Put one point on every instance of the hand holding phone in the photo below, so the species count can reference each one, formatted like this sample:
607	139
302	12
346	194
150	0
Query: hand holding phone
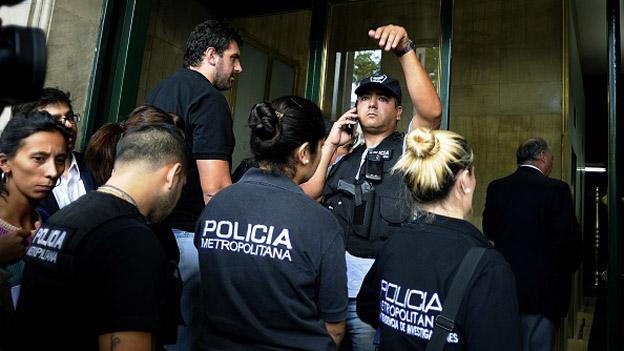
350	128
343	129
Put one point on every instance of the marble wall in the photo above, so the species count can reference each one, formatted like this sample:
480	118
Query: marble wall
507	82
72	42
170	24
288	36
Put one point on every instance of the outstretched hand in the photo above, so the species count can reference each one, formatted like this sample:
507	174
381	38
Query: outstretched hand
390	37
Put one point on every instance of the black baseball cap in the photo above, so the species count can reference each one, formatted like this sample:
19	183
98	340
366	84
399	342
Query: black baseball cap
382	82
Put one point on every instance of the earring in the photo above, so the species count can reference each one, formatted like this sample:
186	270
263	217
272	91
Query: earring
305	162
3	178
467	190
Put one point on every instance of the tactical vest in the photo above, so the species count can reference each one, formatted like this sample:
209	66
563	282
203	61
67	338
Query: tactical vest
371	208
56	244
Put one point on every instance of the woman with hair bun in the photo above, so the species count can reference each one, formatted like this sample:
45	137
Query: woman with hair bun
271	259
407	287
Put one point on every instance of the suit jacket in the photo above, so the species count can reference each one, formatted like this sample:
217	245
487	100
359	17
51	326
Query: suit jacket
531	220
49	205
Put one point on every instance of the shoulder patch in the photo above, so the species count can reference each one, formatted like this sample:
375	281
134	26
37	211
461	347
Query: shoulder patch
48	244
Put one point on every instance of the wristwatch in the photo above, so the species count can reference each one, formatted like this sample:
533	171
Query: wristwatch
410	46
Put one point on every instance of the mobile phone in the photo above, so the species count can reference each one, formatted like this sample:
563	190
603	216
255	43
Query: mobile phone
350	128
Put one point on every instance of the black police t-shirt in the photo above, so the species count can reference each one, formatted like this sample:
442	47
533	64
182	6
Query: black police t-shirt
208	131
272	268
407	285
119	285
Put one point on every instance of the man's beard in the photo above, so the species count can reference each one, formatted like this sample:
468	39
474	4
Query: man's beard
222	81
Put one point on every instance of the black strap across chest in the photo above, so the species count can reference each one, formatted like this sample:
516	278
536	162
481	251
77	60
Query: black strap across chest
445	321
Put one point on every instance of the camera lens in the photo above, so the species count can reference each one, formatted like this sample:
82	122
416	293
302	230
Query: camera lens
23	59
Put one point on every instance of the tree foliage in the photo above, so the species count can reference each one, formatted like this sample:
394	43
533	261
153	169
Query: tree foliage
364	65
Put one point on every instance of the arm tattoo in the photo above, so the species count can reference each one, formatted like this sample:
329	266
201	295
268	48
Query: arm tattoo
114	341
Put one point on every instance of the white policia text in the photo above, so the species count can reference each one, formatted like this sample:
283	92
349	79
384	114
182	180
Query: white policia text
256	240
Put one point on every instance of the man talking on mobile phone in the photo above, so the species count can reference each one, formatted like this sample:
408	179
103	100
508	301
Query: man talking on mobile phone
361	190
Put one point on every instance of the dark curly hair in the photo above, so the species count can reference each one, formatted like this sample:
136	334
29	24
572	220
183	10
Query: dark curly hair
207	34
48	96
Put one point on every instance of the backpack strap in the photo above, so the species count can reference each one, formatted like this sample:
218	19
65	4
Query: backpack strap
445	321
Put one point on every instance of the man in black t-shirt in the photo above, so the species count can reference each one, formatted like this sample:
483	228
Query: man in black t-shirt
211	62
96	276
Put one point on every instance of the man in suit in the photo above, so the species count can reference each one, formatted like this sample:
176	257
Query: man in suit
76	179
530	218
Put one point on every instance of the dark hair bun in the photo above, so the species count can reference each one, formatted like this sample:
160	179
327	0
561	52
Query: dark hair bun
263	122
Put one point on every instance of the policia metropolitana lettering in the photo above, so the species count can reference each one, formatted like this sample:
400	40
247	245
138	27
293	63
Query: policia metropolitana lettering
362	191
97	276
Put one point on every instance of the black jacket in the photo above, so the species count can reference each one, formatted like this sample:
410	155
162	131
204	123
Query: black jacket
531	220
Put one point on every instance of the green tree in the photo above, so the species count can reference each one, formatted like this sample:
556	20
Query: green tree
364	65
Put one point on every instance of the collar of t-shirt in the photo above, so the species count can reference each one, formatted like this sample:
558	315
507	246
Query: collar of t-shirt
256	175
454	224
531	166
195	74
71	186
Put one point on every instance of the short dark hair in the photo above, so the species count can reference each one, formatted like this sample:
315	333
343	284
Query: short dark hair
531	149
279	127
21	126
157	144
48	96
210	33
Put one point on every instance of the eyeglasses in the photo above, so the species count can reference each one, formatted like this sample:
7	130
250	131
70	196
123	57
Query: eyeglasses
70	117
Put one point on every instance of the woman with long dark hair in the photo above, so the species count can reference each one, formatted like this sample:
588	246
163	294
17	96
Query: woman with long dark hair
271	258
33	149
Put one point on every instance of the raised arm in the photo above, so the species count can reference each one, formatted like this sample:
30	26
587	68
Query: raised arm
422	93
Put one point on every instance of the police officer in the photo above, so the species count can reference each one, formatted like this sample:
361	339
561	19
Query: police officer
361	189
408	286
271	259
96	275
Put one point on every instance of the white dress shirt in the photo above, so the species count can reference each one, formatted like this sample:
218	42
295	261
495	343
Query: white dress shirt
531	166
71	187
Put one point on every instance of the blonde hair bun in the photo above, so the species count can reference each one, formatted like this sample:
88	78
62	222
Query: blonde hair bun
423	143
431	161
